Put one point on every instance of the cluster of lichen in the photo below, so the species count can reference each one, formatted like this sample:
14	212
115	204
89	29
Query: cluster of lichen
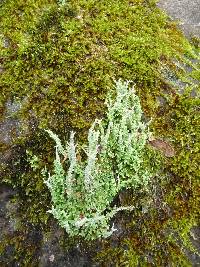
58	61
83	190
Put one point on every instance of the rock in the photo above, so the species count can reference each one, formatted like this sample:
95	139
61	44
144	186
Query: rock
186	11
52	253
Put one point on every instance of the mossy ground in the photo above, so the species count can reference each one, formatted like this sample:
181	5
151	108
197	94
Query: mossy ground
59	61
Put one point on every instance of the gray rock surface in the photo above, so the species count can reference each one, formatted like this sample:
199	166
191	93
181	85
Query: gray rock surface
187	12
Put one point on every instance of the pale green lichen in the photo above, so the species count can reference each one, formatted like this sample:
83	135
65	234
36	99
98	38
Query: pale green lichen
82	195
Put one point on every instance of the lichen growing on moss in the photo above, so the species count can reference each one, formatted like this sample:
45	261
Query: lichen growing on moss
163	234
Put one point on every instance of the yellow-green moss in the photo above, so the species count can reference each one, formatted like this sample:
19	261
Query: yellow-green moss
64	61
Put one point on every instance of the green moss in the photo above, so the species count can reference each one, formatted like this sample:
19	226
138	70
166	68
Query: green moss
68	54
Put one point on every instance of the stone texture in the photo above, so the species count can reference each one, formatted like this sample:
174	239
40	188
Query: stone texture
185	11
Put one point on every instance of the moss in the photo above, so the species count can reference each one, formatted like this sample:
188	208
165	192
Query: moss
70	53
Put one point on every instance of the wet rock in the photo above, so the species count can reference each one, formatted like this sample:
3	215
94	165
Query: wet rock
12	130
10	126
195	239
9	220
8	211
54	254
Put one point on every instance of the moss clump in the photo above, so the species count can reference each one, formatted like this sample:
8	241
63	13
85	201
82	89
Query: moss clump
60	64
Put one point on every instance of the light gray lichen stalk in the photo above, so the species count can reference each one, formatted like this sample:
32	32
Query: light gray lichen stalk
82	191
